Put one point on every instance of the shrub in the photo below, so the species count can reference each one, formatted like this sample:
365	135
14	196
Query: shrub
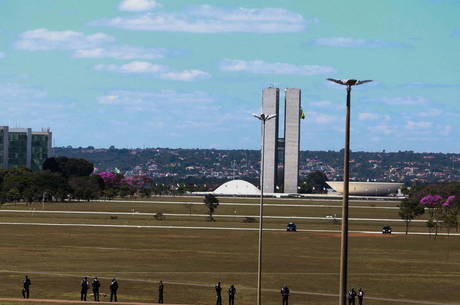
159	216
249	220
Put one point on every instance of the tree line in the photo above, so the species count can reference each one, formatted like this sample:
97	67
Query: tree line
64	179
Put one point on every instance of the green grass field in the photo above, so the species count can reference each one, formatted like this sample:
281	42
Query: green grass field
190	261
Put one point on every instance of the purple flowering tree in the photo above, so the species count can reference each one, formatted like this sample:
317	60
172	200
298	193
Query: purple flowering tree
112	183
434	205
450	209
439	210
137	182
110	179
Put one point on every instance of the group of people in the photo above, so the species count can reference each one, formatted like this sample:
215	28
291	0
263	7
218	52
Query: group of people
231	294
352	294
95	286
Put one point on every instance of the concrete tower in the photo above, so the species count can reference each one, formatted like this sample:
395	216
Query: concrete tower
270	105
275	145
291	139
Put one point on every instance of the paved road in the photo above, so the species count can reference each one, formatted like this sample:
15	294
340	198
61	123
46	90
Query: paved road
256	204
201	228
201	215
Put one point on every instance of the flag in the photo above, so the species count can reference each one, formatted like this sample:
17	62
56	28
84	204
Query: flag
302	114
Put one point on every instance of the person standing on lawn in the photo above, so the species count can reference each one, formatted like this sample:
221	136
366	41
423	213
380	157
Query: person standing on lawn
360	296
160	292
96	285
218	294
113	290
231	295
285	294
25	290
84	289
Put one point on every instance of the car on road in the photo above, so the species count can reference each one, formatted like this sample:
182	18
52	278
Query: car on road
386	230
291	227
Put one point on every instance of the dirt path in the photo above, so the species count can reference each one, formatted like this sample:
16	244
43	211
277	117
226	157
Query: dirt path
70	301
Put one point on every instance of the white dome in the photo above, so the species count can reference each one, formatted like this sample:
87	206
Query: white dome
367	188
237	187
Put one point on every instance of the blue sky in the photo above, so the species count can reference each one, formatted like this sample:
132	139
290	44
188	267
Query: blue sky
145	73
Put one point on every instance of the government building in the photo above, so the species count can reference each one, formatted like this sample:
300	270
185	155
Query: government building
22	147
281	154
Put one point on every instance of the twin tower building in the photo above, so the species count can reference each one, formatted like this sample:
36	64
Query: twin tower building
281	154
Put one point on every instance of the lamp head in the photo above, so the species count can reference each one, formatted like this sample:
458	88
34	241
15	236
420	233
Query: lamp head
264	117
349	82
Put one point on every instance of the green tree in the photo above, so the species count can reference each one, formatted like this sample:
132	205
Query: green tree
51	186
408	210
315	182
449	221
85	188
211	202
69	167
18	184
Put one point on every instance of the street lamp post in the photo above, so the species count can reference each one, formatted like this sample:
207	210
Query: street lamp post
346	172
263	118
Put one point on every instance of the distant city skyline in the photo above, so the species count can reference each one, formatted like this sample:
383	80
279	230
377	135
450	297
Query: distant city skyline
189	74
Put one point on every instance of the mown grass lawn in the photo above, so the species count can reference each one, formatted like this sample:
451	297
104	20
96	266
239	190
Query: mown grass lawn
192	261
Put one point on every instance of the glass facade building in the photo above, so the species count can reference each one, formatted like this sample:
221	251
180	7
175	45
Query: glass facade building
22	147
39	150
3	139
17	149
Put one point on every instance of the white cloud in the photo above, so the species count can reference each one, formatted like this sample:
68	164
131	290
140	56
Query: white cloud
43	39
137	5
321	118
16	97
151	98
348	42
445	130
382	129
142	67
120	52
364	116
370	116
166	106
430	113
423	85
262	67
186	75
321	104
97	45
404	100
17	91
411	125
157	71
212	19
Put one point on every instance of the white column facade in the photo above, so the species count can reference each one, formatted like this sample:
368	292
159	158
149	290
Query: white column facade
270	105
291	140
